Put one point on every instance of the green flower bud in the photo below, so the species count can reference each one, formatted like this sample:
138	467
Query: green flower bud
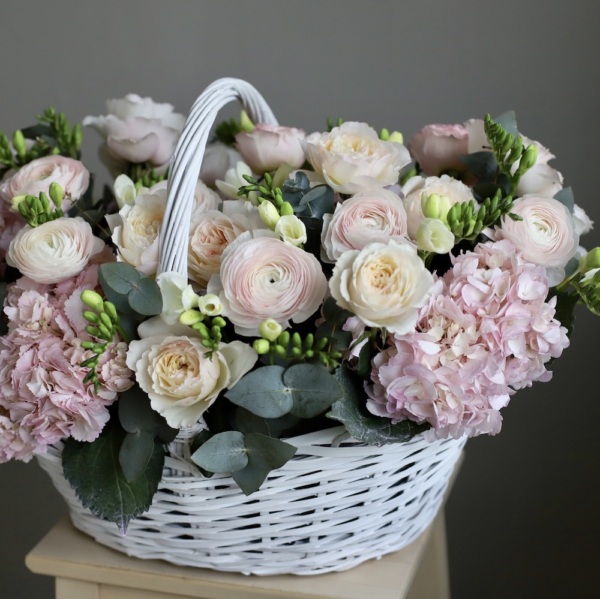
110	309
280	351
309	340
19	204
435	206
286	209
261	346
396	137
18	143
77	135
246	123
190	317
106	321
528	159
201	328
590	260
219	322
93	300
384	134
268	213
296	340
269	329
57	194
284	338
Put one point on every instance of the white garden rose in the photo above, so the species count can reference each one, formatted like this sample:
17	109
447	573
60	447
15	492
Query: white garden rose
135	229
54	251
37	176
383	284
454	192
370	216
183	378
352	157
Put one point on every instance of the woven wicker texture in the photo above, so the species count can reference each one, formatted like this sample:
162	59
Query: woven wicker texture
328	509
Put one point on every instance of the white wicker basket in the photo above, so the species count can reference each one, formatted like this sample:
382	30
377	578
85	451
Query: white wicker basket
329	508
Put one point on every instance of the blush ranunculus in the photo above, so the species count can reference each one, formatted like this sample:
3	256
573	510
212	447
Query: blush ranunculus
375	215
39	174
385	285
351	158
546	235
267	147
183	378
437	148
54	251
263	277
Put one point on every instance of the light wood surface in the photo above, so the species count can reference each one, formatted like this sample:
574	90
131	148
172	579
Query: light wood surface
86	570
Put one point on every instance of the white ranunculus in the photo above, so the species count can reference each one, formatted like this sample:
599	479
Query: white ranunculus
135	229
455	191
352	157
182	378
54	251
367	217
383	284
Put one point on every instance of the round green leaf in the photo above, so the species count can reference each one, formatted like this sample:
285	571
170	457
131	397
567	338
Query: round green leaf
222	453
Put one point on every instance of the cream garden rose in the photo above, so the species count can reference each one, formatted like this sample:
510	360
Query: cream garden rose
54	251
182	378
351	157
263	277
366	217
383	284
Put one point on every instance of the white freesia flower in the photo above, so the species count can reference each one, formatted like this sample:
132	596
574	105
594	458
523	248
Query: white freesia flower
434	236
177	295
210	305
233	180
291	230
383	284
182	378
125	191
54	251
352	157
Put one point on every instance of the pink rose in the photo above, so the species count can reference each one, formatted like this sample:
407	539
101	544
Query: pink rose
39	174
351	158
267	147
138	130
263	277
369	216
546	235
438	147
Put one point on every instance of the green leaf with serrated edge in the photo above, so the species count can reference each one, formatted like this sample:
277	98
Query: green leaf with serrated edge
360	424
135	412
222	453
313	389
566	198
119	277
94	472
262	392
145	297
135	454
264	454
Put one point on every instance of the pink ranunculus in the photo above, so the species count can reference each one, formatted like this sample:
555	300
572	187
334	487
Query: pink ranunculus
267	147
546	235
437	148
352	158
263	277
138	130
375	215
39	174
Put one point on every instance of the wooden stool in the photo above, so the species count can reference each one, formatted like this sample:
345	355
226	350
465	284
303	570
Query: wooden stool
85	569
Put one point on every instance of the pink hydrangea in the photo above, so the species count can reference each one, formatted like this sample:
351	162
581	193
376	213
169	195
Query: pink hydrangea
486	331
43	396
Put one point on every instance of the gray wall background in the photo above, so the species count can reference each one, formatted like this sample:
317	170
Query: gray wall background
522	519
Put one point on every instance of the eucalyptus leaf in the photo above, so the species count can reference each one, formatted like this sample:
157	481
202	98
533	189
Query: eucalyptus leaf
360	424
94	472
566	198
482	164
264	454
313	389
135	412
222	453
262	392
145	297
318	201
135	454
119	276
245	421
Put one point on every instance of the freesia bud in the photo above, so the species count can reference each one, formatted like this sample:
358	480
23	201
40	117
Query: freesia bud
93	300
268	213
18	143
435	206
210	304
384	134
261	346
434	236
57	194
245	122
269	329
590	260
396	137
528	158
190	317
16	201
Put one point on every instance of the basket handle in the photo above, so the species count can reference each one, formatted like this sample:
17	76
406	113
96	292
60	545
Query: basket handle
187	159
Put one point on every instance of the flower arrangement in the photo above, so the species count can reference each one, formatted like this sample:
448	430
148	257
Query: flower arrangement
334	278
